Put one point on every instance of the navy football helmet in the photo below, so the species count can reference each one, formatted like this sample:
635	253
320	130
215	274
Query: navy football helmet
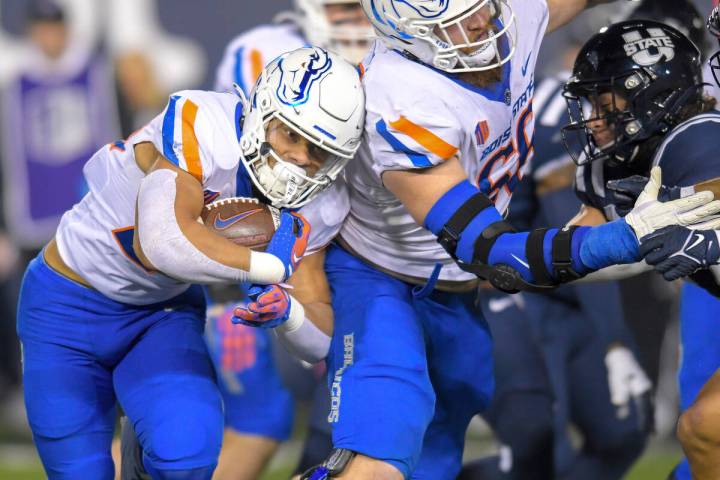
642	78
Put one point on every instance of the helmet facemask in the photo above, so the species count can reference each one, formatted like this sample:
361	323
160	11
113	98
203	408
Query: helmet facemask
281	181
626	108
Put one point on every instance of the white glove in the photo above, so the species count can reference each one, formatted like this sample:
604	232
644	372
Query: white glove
626	379
649	214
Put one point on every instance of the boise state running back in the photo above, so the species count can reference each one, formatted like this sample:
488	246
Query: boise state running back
100	324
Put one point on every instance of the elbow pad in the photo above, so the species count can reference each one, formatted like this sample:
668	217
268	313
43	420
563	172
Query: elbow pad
164	243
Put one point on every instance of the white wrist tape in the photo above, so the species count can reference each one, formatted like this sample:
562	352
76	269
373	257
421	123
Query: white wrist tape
163	242
301	337
265	268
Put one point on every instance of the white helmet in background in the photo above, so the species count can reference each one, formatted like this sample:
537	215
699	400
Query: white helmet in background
350	41
420	28
316	94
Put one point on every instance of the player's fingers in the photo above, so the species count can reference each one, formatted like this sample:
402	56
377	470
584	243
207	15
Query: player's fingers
675	267
711	223
254	291
244	314
651	190
269	308
271	295
693	202
695	207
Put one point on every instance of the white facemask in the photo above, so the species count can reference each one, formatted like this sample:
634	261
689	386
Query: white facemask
282	180
482	56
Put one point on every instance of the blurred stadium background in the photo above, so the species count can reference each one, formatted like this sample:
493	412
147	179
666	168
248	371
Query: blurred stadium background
148	48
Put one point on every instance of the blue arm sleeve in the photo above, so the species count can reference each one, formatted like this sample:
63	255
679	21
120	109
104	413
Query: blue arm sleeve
592	248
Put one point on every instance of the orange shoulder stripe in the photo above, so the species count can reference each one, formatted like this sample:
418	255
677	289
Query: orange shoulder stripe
256	63
424	137
191	151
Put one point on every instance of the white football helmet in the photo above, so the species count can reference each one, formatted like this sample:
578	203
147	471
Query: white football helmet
421	28
350	41
316	94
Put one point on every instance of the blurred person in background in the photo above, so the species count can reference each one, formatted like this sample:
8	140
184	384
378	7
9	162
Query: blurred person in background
57	109
57	106
146	75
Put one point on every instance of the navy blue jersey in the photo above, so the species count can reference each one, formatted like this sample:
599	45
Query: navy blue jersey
687	155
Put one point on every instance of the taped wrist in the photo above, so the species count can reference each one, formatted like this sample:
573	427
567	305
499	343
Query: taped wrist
301	337
612	243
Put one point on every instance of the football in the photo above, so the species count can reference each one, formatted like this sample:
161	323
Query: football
245	221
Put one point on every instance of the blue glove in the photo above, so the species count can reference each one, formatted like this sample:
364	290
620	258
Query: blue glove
290	240
677	251
269	307
624	192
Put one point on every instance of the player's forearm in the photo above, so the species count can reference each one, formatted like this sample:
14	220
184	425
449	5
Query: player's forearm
305	338
616	272
178	246
476	235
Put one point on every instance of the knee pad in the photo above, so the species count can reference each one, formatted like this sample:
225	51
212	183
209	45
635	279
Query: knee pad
333	466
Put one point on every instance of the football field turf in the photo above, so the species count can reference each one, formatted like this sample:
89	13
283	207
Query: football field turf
21	463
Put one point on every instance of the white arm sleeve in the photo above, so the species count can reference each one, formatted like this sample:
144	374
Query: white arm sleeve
616	272
301	337
169	250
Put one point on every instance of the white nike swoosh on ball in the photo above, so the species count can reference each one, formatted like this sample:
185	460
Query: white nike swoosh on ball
521	262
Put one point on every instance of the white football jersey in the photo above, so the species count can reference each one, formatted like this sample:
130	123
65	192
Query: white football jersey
198	131
247	54
418	117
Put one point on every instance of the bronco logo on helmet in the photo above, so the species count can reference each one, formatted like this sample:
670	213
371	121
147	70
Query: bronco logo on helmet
298	75
427	8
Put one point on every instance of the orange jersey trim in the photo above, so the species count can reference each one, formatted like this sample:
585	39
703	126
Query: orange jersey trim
191	151
424	137
256	63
